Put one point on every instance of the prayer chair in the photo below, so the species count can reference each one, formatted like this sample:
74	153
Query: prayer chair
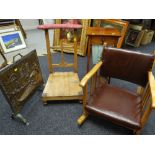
62	85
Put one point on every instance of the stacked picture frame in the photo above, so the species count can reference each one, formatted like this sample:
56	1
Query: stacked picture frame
11	39
134	35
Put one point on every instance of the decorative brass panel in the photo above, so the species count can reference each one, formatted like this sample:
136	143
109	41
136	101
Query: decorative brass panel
20	79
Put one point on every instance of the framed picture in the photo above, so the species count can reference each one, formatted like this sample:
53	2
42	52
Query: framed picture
12	41
4	29
67	36
134	37
121	25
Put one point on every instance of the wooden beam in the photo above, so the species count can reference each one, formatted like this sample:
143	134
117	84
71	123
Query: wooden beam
64	46
75	56
62	65
62	54
49	56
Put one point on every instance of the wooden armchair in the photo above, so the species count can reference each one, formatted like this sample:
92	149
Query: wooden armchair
123	107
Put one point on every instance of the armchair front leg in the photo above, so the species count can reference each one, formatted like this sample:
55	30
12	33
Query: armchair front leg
84	85
83	117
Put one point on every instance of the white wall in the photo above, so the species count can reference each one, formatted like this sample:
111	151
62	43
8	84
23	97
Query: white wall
29	24
48	21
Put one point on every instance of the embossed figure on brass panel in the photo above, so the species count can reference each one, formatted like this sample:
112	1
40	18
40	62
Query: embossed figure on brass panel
19	80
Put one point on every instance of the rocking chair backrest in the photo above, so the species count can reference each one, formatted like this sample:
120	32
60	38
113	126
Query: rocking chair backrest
127	65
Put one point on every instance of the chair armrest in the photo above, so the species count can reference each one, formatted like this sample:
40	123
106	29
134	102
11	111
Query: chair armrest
90	73
152	88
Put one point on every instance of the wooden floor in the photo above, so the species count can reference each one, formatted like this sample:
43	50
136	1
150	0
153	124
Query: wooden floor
62	86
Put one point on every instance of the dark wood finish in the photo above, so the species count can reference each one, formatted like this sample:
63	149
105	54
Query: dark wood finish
101	36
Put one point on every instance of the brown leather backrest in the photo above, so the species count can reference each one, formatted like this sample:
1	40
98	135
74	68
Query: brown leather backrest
126	65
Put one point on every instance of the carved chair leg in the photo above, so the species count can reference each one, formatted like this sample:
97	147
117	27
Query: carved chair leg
44	101
82	118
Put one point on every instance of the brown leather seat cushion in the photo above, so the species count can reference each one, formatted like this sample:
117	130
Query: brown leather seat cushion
118	105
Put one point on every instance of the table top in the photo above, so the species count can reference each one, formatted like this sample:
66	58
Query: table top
99	31
59	26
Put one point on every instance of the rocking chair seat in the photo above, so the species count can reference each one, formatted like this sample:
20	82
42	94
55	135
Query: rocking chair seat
116	104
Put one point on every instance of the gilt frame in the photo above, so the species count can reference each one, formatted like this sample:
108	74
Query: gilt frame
134	37
81	46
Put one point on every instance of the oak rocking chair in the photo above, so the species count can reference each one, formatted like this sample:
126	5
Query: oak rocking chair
121	106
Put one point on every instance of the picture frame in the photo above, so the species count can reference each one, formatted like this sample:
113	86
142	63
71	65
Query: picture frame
68	45
134	37
121	25
4	29
12	41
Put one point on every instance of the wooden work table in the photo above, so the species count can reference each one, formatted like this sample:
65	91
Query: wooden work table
101	36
